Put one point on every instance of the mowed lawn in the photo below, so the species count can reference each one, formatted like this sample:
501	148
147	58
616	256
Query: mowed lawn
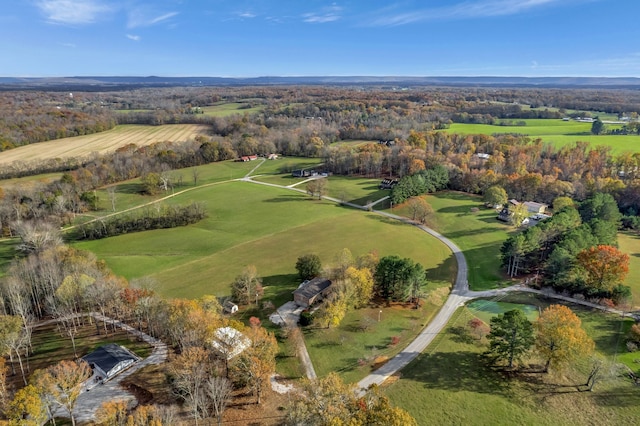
103	142
629	243
557	132
480	235
251	224
451	383
231	108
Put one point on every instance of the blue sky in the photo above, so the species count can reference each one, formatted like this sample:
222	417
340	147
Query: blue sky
248	38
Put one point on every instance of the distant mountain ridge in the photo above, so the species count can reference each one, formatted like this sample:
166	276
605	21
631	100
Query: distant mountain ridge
116	82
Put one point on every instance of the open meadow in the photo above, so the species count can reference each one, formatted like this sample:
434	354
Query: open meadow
225	109
103	142
451	380
478	233
556	132
268	227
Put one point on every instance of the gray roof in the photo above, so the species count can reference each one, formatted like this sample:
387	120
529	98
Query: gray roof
309	289
108	356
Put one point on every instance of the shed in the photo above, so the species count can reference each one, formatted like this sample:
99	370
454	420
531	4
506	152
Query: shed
536	208
229	307
109	360
311	291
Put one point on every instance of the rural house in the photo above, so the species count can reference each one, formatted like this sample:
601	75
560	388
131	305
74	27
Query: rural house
109	360
388	183
535	208
311	291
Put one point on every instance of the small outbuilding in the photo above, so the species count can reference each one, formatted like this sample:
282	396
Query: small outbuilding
229	307
109	360
311	291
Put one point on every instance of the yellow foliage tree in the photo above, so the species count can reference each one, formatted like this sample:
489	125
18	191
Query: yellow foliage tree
27	408
560	338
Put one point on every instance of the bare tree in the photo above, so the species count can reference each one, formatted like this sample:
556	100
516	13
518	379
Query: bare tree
218	389
111	191
66	382
195	174
37	236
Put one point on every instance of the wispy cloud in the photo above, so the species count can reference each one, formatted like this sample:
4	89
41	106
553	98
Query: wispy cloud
247	15
143	17
327	14
73	12
464	10
133	37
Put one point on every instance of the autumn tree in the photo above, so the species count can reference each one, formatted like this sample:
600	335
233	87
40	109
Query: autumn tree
112	413
420	209
560	339
66	382
309	266
27	408
605	266
247	287
360	282
329	401
255	365
511	336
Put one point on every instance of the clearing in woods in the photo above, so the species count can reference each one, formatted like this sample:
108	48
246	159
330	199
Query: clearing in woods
103	142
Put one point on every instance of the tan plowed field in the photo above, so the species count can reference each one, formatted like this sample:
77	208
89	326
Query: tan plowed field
103	142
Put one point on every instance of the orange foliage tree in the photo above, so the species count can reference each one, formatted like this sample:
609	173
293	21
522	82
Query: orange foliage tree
605	266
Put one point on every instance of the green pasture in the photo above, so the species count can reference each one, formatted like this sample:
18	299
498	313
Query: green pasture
629	243
354	352
7	253
278	172
479	235
353	142
264	226
230	108
451	380
557	132
360	191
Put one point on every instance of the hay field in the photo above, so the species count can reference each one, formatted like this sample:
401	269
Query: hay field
103	142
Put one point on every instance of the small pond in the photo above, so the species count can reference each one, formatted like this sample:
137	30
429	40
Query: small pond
485	309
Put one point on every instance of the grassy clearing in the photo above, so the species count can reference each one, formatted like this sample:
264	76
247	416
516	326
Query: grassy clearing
557	132
27	181
7	254
103	142
354	353
51	347
247	221
278	172
451	380
480	235
629	243
231	108
360	191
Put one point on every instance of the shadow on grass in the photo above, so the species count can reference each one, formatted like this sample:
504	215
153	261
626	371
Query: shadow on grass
445	271
620	396
285	199
129	188
467	233
456	371
386	220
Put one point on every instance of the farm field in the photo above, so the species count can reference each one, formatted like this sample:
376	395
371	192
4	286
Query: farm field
247	221
230	108
452	380
108	141
480	235
557	132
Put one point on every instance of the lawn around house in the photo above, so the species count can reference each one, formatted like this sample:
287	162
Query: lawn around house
450	380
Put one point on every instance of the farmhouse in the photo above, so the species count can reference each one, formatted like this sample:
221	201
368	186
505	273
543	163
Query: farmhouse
301	173
229	342
388	183
272	157
311	291
109	360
